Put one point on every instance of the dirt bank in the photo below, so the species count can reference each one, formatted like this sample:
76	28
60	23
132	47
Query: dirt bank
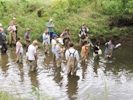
123	39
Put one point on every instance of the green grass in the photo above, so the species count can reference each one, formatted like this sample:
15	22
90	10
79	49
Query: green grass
65	13
35	93
6	96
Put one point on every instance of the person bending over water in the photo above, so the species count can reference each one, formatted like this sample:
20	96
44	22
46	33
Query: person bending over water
110	48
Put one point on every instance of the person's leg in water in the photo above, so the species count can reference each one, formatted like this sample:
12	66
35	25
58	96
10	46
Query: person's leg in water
5	47
10	38
46	47
58	62
33	65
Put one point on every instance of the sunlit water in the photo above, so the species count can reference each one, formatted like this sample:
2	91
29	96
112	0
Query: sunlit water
104	80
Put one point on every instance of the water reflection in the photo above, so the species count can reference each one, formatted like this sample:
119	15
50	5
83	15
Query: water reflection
116	73
72	87
57	75
84	67
96	65
4	61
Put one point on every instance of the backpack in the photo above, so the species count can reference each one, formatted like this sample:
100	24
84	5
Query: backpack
41	38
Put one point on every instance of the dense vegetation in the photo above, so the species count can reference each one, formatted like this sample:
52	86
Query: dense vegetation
103	17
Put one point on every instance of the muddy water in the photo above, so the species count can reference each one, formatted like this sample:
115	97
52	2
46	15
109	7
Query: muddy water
103	80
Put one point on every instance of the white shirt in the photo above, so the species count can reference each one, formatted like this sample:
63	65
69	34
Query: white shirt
72	50
31	52
12	28
53	42
47	38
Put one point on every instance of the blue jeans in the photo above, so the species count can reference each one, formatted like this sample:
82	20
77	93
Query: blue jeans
51	34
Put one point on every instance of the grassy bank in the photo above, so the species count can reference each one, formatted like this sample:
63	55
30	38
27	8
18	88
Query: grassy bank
65	13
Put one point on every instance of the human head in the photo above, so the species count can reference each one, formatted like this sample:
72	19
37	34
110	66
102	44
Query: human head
83	24
11	23
35	42
86	38
54	36
18	39
67	29
84	43
50	20
83	28
111	41
47	31
28	30
97	42
71	44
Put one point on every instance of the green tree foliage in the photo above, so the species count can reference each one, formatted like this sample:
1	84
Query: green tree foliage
117	8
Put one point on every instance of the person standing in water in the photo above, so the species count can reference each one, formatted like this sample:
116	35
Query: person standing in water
96	49
53	43
84	51
3	45
46	41
12	33
27	38
19	50
66	37
110	48
72	58
82	35
59	53
32	55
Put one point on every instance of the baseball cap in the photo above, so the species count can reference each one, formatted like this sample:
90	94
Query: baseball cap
54	35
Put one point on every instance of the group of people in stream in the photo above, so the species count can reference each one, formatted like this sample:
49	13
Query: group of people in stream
59	45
